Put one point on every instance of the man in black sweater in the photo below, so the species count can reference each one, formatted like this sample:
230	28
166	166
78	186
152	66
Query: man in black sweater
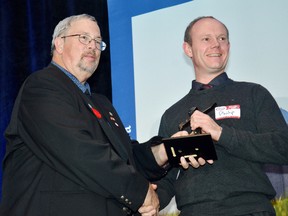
246	126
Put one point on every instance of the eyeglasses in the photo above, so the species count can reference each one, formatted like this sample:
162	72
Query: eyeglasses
86	39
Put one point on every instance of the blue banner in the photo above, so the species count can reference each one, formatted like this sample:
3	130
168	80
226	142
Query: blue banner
120	13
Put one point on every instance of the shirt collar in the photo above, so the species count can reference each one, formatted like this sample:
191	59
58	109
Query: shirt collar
82	87
220	79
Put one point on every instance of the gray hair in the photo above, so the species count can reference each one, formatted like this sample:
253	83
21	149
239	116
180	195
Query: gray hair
63	26
187	36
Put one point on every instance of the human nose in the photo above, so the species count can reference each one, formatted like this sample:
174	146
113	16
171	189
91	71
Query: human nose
215	42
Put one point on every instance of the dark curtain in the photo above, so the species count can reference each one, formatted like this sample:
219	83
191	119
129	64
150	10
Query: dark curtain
26	35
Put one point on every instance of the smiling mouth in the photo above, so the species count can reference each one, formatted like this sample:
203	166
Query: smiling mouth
215	55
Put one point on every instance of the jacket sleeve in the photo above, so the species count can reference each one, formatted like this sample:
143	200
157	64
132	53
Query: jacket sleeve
145	160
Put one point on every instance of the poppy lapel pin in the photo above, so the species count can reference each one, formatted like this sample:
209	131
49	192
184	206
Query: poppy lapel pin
95	112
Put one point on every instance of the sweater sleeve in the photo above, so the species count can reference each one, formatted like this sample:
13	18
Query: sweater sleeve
263	134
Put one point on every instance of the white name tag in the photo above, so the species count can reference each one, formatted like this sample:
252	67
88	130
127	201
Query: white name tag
231	111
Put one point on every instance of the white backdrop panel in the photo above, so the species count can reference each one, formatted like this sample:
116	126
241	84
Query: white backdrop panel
163	74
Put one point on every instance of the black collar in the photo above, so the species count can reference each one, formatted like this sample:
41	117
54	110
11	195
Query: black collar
220	79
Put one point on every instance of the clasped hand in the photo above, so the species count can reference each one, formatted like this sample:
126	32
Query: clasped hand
151	204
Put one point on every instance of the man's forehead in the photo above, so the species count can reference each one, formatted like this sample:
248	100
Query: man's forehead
81	23
207	25
85	26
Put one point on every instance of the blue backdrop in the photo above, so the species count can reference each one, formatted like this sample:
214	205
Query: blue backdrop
120	28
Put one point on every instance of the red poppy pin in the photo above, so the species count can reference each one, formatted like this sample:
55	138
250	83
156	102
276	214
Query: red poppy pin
96	112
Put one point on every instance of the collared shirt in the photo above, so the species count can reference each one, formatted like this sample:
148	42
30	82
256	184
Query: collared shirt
220	79
83	88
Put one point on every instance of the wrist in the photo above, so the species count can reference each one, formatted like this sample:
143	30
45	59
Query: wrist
160	155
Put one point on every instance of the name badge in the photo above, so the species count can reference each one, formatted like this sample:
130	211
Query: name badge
224	112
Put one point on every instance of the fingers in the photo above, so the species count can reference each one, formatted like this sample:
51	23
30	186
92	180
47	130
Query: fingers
193	162
151	202
206	123
184	163
180	133
196	119
154	186
210	161
201	161
147	210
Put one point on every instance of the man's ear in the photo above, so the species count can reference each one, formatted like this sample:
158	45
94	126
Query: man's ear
187	49
59	43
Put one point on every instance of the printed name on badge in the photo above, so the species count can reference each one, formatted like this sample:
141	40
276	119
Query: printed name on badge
224	112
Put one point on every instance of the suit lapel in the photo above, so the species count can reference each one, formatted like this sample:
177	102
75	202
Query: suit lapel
98	112
100	115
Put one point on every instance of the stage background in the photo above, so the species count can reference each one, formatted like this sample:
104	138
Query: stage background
150	71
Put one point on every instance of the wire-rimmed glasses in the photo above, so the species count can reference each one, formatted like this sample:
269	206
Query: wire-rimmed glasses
86	39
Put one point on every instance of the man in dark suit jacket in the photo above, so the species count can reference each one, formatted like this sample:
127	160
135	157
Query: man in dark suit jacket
68	152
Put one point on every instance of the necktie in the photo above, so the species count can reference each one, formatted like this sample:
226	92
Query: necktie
205	86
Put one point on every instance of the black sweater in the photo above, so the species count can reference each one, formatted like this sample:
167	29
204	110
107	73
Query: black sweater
235	183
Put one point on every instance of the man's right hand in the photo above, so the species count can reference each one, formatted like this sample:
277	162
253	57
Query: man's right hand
151	203
193	162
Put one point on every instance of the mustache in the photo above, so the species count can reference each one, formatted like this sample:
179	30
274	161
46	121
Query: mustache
91	52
